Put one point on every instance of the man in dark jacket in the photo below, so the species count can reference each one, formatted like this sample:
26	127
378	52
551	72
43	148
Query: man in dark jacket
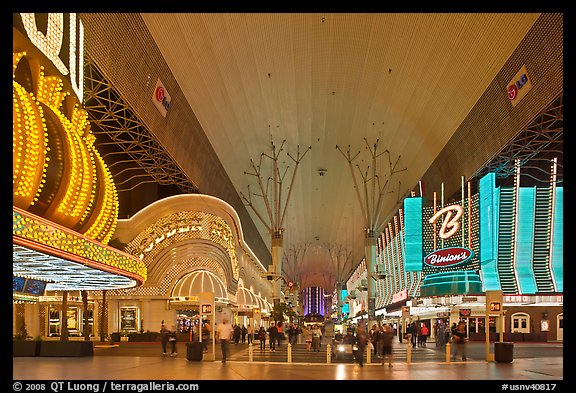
272	336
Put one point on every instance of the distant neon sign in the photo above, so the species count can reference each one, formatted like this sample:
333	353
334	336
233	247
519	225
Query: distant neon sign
452	256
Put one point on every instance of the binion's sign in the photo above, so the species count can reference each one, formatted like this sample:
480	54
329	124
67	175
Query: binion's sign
446	257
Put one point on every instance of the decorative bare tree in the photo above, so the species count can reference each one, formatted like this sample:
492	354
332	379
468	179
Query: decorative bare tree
275	205
376	179
341	259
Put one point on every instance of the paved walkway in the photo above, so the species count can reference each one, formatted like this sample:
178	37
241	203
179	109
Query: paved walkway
143	362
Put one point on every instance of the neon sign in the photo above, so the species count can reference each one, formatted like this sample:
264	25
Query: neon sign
51	45
448	257
450	223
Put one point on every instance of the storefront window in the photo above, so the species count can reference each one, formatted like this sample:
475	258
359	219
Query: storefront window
72	319
128	318
54	322
520	323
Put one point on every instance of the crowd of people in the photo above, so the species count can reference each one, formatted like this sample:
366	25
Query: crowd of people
378	339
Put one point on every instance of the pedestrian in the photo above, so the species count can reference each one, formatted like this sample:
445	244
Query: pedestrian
224	334
280	335
250	333
423	335
373	338
292	333
172	338
448	332
316	335
262	338
237	331
361	342
386	338
307	333
243	332
272	336
459	339
206	332
164	338
413	333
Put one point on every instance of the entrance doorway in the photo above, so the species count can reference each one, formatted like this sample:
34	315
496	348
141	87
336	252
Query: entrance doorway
560	327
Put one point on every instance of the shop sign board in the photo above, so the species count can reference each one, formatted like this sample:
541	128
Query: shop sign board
451	256
519	86
161	99
399	296
405	312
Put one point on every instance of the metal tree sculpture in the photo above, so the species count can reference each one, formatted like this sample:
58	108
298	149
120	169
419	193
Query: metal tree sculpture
275	205
371	202
341	260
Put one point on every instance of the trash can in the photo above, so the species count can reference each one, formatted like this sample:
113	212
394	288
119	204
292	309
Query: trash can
194	351
503	352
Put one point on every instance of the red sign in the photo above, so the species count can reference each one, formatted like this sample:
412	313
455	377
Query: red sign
159	94
448	257
512	92
399	296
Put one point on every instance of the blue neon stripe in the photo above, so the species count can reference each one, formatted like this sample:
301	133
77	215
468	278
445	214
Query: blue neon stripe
558	240
526	205
488	211
413	242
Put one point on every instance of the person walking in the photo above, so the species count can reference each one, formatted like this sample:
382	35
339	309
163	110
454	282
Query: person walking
236	331
173	339
272	336
206	329
262	338
280	334
164	338
292	333
423	335
224	334
449	332
307	333
316	335
459	339
243	332
361	342
440	327
386	338
250	333
373	338
413	333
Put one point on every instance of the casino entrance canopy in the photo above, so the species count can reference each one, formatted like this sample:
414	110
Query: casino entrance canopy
68	260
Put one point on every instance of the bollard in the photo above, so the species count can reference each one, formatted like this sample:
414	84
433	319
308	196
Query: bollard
289	353
328	353
250	353
409	353
448	353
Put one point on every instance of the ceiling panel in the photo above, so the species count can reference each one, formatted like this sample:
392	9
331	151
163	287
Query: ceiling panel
323	80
